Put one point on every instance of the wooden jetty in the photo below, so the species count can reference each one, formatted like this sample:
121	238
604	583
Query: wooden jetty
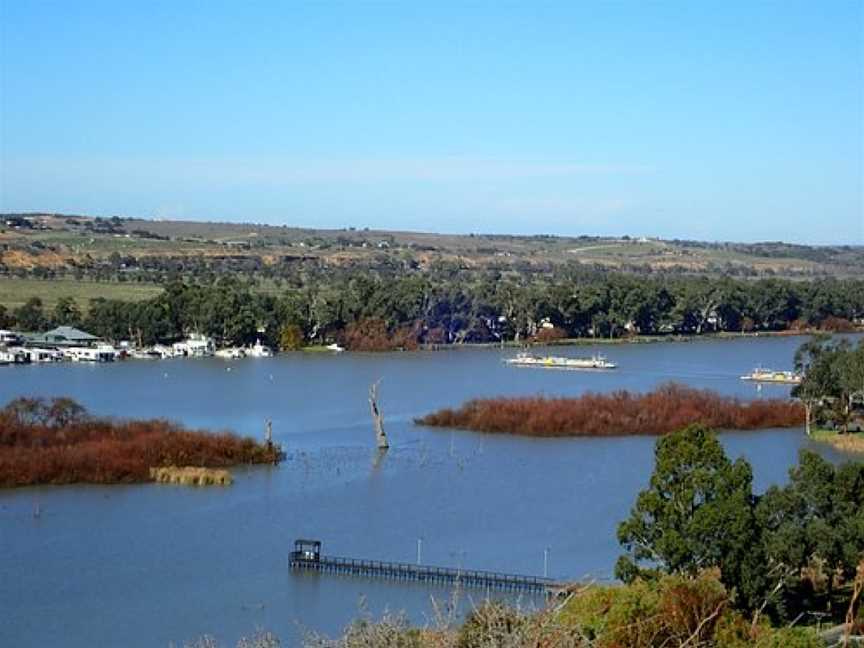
307	557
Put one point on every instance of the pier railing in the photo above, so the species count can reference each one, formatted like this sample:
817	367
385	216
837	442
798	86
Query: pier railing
400	571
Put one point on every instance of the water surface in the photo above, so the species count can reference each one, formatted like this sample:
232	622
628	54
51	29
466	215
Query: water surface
145	565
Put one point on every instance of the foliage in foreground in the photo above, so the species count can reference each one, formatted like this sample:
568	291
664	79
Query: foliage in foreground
672	612
667	408
785	552
58	442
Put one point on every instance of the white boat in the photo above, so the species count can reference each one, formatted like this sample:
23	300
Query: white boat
773	376
260	350
596	361
145	354
163	351
230	353
101	353
334	347
195	346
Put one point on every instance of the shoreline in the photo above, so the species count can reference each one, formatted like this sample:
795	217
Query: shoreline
852	442
578	342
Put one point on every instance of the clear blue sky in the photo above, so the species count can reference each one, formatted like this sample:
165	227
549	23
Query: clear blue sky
720	120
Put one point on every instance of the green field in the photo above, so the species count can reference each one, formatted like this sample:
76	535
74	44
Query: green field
15	292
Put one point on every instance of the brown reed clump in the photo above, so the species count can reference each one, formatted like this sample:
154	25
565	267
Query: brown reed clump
191	476
57	442
668	408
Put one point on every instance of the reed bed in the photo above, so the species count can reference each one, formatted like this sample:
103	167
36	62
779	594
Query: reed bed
41	447
666	409
191	476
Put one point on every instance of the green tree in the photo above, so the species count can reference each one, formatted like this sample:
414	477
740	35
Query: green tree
6	320
818	516
67	312
697	513
30	316
291	338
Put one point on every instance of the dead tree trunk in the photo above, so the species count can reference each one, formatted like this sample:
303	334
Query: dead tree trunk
377	418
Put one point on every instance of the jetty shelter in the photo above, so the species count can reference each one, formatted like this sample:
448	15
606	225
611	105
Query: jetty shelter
74	344
64	336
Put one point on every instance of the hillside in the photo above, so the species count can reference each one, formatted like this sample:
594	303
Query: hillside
50	244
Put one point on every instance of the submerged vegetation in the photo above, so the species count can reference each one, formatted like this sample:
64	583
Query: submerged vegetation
667	408
59	442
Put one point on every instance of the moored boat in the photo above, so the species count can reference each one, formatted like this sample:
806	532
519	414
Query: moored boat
231	353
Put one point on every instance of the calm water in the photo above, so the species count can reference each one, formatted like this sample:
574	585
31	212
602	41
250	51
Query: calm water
150	564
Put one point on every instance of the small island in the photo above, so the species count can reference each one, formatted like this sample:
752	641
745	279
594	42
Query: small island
668	408
60	442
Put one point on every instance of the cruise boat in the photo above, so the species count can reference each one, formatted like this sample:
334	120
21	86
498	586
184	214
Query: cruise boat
558	362
773	376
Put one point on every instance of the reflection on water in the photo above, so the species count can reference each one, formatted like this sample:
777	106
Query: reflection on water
149	564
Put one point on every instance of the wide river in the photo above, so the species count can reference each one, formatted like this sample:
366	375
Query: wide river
147	565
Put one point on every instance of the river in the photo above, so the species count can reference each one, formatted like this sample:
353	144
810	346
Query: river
147	565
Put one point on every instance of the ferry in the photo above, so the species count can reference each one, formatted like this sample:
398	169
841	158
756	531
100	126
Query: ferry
559	362
773	376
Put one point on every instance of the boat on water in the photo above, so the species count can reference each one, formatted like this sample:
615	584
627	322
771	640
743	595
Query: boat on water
559	362
230	353
773	376
259	350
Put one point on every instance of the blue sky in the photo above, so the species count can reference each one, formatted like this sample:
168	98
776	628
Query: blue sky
709	120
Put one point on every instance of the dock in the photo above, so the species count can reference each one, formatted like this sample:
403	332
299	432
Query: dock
307	557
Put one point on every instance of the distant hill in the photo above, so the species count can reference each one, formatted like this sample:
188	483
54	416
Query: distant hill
35	243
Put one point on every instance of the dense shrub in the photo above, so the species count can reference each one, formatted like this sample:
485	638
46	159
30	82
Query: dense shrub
667	408
673	611
373	335
59	443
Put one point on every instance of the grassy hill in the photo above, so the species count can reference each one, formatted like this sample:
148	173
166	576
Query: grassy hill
62	243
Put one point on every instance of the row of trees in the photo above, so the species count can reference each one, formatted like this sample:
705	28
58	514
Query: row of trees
783	552
449	308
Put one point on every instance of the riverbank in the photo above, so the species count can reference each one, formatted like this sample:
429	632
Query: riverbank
58	442
849	442
668	408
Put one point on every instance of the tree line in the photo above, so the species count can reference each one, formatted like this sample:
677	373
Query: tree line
451	306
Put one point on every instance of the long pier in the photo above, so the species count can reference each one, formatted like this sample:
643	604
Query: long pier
311	560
